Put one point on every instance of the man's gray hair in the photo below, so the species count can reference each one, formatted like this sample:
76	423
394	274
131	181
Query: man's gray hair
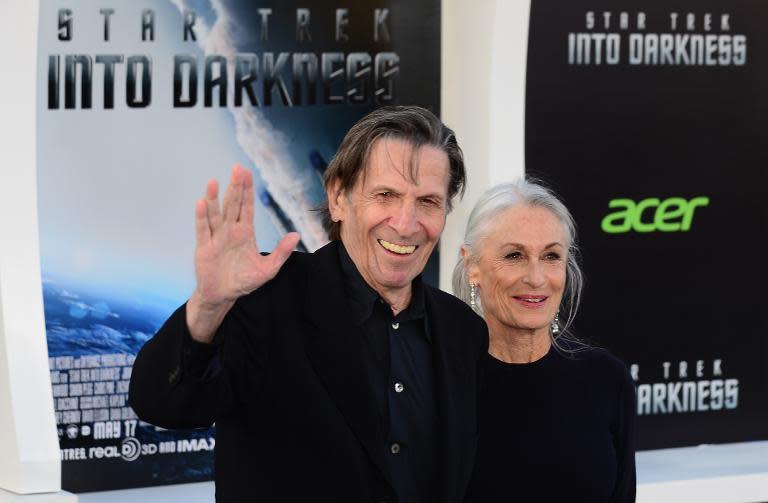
415	125
480	224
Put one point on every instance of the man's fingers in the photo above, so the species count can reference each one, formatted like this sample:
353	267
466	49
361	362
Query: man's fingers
233	197
212	189
212	204
246	212
202	227
282	251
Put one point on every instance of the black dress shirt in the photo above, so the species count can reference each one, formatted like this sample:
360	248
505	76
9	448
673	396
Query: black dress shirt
398	354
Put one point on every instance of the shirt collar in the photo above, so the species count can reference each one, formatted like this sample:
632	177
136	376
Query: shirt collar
363	297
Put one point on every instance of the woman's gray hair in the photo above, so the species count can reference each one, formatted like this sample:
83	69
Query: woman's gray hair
532	194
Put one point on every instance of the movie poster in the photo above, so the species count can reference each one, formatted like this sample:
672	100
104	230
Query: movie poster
649	119
139	104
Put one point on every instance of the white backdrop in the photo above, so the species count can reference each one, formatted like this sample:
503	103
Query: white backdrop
28	440
484	49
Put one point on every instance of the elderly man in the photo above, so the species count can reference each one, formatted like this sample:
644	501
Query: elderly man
338	375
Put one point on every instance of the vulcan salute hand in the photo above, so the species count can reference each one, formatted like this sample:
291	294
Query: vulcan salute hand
228	264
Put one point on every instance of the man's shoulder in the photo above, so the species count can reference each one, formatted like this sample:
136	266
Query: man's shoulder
447	306
299	262
294	273
442	297
456	323
437	294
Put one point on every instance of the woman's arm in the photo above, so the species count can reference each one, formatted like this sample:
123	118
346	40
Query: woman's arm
624	441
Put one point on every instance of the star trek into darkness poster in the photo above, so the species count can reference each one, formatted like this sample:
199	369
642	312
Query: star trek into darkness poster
139	104
649	119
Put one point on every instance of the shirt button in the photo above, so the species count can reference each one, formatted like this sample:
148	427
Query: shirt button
395	325
394	448
399	387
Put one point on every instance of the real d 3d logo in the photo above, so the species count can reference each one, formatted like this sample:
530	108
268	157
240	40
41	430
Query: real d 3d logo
670	215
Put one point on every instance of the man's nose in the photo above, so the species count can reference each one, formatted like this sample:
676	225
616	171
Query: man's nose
405	221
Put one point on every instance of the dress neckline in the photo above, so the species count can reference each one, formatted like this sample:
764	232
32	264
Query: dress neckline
544	361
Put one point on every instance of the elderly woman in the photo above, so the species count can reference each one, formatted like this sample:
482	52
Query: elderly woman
556	416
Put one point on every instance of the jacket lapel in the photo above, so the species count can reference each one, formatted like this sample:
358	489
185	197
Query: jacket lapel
335	350
456	399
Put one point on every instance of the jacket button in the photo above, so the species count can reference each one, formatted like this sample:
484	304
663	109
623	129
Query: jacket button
395	448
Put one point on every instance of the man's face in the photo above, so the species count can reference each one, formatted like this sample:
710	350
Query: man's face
389	222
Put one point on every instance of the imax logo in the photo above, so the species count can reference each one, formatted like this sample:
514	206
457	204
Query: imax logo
649	215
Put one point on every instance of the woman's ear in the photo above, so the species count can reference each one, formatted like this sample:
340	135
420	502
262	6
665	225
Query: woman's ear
470	265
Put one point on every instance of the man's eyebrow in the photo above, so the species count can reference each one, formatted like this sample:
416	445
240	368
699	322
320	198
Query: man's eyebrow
433	195
383	188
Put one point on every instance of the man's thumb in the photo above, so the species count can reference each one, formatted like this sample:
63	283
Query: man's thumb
282	251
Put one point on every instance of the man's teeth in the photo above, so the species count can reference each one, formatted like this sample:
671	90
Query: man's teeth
402	250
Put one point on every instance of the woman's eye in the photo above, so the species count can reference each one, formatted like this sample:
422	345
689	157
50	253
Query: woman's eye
513	255
552	257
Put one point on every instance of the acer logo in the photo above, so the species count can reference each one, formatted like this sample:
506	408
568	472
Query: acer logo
649	215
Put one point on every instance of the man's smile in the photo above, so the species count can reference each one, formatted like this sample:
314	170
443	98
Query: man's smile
395	248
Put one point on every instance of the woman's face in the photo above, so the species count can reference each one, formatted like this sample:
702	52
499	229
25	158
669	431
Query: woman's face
519	269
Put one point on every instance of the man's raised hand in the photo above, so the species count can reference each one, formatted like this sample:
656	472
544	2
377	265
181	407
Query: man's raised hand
228	264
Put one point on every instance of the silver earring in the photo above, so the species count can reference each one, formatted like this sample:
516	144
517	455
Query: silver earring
556	324
472	293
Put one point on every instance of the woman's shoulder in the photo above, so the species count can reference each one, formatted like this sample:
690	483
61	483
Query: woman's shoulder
594	359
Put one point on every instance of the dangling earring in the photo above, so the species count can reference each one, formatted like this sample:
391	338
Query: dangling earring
556	324
472	293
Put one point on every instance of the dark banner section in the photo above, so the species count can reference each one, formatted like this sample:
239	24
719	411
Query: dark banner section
139	105
649	119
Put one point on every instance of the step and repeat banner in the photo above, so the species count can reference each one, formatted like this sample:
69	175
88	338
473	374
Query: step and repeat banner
139	104
649	119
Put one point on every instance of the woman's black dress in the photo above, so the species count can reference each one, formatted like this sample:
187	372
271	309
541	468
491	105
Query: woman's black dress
560	429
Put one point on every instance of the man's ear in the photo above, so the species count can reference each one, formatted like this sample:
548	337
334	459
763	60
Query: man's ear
337	201
470	265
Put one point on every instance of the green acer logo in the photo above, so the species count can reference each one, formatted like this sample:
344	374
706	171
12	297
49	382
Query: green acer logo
670	215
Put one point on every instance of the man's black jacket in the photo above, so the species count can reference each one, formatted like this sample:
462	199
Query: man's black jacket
286	385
